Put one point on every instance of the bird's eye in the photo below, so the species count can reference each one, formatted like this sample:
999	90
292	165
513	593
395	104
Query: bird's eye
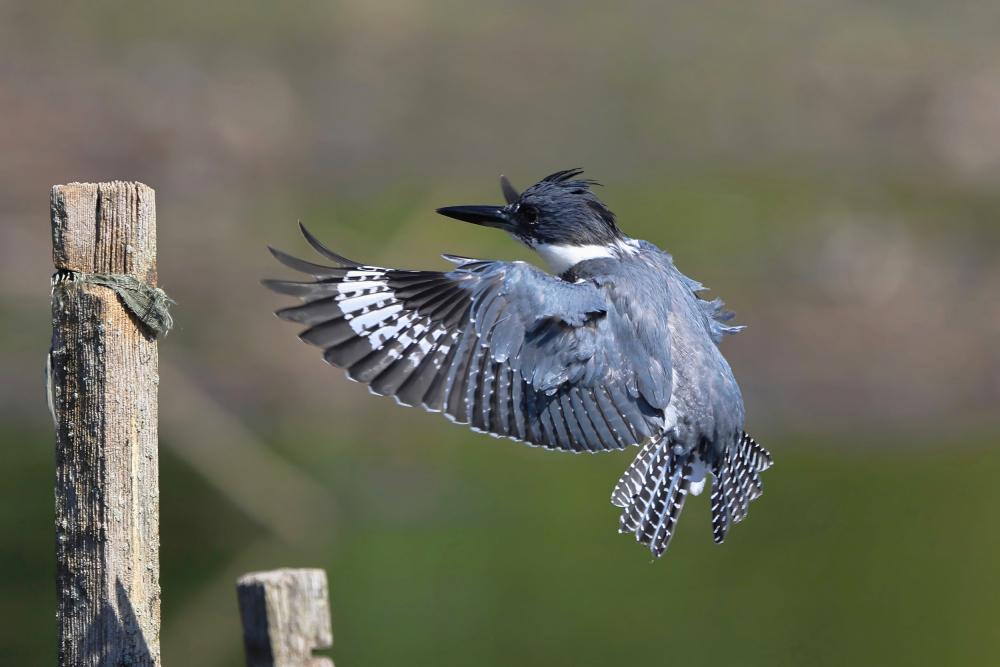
529	214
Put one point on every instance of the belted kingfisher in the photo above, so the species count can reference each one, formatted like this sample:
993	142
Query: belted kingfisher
612	349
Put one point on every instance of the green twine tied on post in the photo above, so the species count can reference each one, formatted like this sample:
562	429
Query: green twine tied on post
150	305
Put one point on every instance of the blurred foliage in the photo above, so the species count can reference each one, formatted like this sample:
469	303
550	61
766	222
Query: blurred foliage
493	555
830	169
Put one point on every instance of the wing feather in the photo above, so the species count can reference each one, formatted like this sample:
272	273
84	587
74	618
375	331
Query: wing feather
501	346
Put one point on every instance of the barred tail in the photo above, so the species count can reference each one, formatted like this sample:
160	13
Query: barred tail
653	490
736	481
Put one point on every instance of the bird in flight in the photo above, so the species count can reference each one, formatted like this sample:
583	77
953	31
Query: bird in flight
614	348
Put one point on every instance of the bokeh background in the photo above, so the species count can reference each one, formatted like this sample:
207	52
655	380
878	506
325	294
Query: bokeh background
830	168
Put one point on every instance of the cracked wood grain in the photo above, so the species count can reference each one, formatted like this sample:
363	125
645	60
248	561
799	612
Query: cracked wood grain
103	396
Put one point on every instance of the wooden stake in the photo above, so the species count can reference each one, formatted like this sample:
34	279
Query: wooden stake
102	392
286	615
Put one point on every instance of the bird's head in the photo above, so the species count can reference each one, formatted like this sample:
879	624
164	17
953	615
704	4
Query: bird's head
560	218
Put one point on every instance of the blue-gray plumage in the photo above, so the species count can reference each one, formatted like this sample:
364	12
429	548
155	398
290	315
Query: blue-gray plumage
614	349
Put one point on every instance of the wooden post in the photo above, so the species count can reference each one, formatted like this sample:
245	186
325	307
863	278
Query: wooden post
286	615
102	392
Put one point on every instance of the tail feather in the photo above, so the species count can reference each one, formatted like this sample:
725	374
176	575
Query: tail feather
726	505
630	483
736	482
653	489
758	457
652	493
720	510
672	503
657	498
638	486
742	481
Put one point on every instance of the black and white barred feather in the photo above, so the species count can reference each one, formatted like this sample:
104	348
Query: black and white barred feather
736	481
652	491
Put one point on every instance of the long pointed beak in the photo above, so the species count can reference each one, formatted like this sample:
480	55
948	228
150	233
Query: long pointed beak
487	216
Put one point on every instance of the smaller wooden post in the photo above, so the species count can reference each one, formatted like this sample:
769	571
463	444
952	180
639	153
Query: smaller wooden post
285	615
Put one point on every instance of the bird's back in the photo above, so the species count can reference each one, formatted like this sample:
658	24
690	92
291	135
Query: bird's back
659	306
659	311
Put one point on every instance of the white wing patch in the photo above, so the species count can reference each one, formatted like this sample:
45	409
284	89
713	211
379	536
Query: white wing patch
370	306
372	310
388	330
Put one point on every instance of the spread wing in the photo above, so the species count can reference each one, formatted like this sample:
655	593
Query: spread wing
503	347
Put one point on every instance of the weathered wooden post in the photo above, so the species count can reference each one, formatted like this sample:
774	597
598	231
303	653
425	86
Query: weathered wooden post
106	314
286	615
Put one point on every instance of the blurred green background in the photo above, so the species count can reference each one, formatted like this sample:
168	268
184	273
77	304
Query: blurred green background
829	168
